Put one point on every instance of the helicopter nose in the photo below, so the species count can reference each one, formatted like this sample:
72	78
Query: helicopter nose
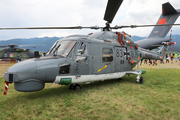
21	71
24	67
24	75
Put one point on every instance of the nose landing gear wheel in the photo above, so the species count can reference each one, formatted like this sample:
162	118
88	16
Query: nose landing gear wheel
141	80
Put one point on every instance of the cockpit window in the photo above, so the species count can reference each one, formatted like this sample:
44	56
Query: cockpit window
52	48
62	48
82	53
82	48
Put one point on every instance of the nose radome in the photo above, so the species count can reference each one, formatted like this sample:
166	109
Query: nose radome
24	76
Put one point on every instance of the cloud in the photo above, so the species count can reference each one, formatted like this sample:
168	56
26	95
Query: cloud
38	13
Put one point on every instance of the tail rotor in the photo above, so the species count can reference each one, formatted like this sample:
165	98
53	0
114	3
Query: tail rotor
171	43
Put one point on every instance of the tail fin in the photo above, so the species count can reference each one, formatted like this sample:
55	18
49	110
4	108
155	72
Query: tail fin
169	16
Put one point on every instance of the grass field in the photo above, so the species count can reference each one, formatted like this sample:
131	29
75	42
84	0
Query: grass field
157	98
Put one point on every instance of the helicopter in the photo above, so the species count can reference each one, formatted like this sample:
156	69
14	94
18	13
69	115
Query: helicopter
99	56
13	51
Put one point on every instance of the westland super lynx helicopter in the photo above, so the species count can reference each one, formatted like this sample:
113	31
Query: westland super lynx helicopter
95	57
13	51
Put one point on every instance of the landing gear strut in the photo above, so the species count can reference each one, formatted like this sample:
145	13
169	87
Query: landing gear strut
137	72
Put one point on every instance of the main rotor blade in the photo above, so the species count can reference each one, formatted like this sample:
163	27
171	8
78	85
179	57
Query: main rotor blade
111	9
76	27
134	26
8	45
31	45
3	46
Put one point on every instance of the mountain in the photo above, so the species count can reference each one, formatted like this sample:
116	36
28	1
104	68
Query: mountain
49	41
45	42
136	38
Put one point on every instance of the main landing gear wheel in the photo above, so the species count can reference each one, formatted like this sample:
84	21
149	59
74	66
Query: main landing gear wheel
76	87
141	80
71	86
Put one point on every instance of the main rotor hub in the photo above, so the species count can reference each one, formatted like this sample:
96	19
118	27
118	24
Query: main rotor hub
107	28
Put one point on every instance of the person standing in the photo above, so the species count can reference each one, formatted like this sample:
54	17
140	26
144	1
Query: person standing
19	58
176	56
172	56
167	58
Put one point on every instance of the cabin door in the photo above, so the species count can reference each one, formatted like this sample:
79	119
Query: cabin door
82	65
102	59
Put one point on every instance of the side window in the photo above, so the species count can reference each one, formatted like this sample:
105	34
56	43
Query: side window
82	51
65	69
82	48
107	55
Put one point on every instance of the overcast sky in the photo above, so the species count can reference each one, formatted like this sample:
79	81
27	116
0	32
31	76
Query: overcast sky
54	13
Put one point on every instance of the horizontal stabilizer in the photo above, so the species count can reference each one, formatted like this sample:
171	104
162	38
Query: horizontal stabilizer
168	9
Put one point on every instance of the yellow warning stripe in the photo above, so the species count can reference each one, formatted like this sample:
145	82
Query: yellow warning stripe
103	67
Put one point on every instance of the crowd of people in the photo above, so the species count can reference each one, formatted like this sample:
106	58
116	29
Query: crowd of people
173	56
169	59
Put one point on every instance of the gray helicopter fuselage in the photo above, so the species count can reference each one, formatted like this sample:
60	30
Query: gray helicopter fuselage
96	54
80	59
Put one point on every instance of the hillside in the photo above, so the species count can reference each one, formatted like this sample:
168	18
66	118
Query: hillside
46	42
49	41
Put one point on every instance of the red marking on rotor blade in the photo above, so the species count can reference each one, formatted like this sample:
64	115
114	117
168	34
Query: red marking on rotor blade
162	21
131	47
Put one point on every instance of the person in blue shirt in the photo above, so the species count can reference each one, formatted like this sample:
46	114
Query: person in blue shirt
19	58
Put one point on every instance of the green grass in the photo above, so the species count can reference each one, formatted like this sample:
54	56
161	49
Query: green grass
157	98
